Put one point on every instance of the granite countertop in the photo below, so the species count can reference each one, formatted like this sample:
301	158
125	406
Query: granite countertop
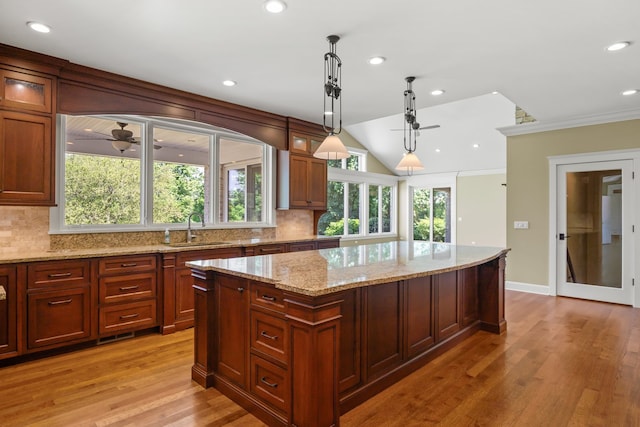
62	254
325	271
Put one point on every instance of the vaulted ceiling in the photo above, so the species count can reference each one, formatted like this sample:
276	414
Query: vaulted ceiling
547	57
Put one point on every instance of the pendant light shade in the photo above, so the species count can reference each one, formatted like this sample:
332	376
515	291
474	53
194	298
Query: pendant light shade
332	148
121	146
409	163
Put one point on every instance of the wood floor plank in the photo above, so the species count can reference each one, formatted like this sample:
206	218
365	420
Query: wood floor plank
562	362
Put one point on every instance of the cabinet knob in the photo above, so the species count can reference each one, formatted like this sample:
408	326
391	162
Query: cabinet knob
241	289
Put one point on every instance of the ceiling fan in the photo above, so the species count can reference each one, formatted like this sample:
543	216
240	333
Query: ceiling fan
416	127
123	138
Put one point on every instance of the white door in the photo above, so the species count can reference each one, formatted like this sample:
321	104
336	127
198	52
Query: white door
594	209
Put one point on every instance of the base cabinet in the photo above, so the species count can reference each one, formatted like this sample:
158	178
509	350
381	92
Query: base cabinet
60	310
267	349
127	294
8	312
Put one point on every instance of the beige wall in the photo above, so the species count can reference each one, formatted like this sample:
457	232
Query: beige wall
482	210
373	164
528	188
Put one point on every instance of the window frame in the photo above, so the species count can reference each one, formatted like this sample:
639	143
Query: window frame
431	182
212	219
365	179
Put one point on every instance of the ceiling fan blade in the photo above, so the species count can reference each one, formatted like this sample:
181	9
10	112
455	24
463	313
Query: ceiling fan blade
429	127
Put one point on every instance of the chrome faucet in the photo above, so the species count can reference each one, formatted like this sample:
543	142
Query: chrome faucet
190	234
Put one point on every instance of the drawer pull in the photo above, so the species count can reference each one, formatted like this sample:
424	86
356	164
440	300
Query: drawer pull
270	249
129	288
266	335
58	275
264	381
129	316
64	301
240	289
268	298
131	264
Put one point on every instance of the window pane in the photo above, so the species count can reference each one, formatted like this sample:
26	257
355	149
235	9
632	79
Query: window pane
180	174
386	209
354	209
241	186
373	209
332	222
353	162
334	164
422	214
102	172
442	215
235	195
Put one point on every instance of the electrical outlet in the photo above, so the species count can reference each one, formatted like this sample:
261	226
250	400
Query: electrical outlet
521	225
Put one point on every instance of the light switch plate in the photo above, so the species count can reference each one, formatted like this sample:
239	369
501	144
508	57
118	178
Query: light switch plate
521	225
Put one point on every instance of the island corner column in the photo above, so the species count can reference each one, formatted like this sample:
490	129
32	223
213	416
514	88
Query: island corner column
491	295
314	328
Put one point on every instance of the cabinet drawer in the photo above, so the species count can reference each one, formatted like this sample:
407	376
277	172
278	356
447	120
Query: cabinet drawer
207	254
269	335
59	273
58	316
269	383
127	264
125	317
270	249
267	296
302	246
127	288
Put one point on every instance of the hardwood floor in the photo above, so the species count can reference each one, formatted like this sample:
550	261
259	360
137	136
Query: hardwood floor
562	362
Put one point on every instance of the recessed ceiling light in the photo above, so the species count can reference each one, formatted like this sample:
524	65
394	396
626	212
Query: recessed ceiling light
328	113
229	83
69	142
495	92
618	46
275	6
88	130
630	92
476	145
180	155
437	150
377	60
39	27
437	92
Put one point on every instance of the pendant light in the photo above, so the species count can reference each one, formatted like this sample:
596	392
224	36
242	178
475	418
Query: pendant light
332	148
410	162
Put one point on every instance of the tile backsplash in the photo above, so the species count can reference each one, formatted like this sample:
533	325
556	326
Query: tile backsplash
27	228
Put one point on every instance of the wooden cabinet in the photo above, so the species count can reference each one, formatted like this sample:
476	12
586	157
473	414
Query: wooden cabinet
8	312
308	182
384	344
233	307
127	294
178	295
59	303
447	305
302	178
270	249
420	334
26	139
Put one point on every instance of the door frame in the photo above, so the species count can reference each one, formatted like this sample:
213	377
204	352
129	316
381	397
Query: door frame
554	163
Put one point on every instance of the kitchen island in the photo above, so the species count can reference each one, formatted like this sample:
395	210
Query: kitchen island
300	338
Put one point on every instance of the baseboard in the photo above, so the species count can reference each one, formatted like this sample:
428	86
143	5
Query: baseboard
527	287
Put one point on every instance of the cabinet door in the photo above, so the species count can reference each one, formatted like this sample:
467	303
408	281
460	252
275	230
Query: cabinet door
448	299
317	190
233	327
8	312
349	372
184	298
384	328
26	159
25	91
298	183
58	316
420	330
468	279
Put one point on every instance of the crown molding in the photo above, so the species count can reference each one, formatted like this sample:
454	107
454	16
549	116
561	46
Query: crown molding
596	119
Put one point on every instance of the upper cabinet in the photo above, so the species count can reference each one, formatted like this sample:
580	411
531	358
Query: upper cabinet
26	139
302	177
20	91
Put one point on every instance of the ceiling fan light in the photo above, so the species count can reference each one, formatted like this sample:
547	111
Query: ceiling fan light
332	149
410	162
121	146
